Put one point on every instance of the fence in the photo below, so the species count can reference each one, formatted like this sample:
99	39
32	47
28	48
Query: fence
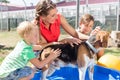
106	15
9	23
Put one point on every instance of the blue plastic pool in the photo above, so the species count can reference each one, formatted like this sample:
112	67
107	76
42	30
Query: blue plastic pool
69	73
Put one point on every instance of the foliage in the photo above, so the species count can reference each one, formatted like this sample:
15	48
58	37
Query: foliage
4	1
113	51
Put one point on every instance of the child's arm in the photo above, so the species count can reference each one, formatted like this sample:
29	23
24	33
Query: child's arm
83	36
95	31
53	55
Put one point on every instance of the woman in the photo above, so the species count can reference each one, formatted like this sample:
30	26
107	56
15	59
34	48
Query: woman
49	21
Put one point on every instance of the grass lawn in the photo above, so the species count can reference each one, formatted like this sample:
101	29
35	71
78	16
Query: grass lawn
114	51
9	39
7	42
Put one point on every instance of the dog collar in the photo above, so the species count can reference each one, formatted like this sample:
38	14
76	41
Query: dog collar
91	47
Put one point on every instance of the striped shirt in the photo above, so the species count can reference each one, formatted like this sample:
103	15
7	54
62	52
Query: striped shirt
18	58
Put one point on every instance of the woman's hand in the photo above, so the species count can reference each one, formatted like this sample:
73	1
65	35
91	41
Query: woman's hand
71	41
59	42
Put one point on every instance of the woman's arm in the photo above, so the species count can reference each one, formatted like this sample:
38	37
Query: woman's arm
43	43
70	30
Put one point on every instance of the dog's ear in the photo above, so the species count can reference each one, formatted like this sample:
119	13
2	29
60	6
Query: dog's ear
39	57
103	36
44	53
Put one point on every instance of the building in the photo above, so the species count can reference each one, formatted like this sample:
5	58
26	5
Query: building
105	11
12	15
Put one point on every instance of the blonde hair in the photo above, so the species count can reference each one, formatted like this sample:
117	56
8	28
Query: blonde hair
25	27
85	19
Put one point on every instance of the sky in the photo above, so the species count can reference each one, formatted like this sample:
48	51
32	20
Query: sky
21	2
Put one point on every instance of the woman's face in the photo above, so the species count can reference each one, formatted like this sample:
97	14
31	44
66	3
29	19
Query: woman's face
52	15
86	29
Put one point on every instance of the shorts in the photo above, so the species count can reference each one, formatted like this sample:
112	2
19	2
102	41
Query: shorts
19	73
37	53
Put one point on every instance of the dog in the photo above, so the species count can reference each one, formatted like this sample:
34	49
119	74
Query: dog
84	54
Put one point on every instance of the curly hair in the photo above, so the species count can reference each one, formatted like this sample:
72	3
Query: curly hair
43	7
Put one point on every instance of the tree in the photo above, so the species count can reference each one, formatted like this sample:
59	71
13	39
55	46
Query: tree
4	1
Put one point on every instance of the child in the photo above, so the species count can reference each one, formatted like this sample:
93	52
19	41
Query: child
14	66
86	26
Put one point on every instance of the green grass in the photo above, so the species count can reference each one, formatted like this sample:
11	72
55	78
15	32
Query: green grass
9	39
113	51
7	42
1	59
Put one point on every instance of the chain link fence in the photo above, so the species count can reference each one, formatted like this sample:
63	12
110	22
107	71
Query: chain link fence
10	23
105	15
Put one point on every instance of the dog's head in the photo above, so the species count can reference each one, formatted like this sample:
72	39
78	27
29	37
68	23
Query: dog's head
69	53
100	39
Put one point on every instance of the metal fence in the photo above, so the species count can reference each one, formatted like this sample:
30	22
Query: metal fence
9	23
106	15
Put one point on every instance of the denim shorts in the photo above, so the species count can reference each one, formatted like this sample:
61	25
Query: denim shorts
19	73
37	53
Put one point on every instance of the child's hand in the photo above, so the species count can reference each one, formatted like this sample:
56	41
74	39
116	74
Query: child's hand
95	31
54	53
